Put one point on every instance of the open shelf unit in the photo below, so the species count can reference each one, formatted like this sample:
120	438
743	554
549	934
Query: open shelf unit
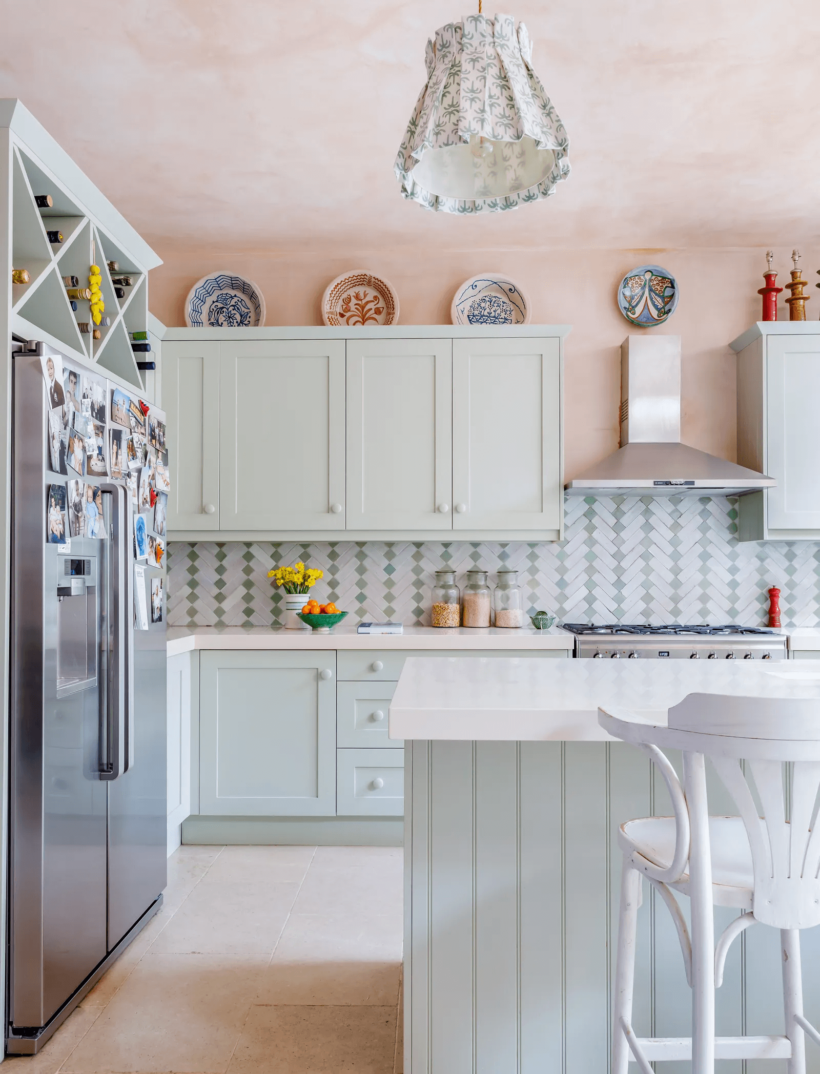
92	233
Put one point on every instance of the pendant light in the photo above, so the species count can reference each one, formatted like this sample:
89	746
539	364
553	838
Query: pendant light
484	136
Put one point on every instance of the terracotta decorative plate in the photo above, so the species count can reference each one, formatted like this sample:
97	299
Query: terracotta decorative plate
490	298
359	298
648	295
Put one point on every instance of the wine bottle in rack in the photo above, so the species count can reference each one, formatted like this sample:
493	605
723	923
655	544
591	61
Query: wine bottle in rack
20	275
141	348
71	281
55	237
113	266
44	201
105	322
122	281
83	293
119	292
73	305
96	334
137	336
84	327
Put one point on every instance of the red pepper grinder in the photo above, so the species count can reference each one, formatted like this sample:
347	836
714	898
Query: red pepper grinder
770	291
774	607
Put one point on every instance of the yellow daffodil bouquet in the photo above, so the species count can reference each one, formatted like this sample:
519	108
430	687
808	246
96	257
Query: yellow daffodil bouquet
296	579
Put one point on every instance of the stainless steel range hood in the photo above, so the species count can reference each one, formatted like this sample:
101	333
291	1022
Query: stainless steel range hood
652	460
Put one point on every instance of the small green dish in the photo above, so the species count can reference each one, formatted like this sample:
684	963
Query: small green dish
322	624
542	620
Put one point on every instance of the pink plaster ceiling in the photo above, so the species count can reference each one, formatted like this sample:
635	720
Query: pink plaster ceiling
262	125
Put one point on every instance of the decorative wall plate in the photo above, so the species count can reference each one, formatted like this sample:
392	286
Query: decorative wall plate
490	298
359	298
648	295
224	300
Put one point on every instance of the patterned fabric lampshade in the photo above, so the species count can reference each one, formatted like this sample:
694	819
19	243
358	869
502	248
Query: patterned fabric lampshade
484	136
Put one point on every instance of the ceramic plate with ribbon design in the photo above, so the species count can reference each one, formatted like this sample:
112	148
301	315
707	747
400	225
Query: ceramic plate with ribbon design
224	300
490	299
648	295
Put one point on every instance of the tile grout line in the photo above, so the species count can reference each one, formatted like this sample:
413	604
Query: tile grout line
290	911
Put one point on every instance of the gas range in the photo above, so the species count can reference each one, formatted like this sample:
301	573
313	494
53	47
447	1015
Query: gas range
676	641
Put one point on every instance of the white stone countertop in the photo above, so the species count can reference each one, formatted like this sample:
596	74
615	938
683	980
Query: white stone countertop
803	638
183	640
509	699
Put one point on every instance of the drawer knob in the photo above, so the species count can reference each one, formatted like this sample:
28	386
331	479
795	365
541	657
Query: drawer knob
461	508
336	508
376	784
209	508
443	508
378	715
325	674
377	665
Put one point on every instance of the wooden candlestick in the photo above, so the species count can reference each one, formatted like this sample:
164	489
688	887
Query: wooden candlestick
770	291
774	606
797	300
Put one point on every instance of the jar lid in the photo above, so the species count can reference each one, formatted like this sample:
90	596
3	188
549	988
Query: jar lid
477	573
506	570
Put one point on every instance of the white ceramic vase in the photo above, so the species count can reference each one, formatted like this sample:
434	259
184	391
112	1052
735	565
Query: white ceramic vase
294	602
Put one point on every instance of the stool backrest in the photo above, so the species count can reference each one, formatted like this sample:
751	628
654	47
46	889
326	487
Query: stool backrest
765	752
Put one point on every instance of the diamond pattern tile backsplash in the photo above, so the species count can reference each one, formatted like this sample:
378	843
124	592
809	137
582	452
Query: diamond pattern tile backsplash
649	560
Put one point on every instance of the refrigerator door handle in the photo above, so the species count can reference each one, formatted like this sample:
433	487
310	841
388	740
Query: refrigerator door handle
116	731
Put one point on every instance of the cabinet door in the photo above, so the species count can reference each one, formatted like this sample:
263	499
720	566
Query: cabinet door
399	434
268	734
282	436
507	434
793	388
190	392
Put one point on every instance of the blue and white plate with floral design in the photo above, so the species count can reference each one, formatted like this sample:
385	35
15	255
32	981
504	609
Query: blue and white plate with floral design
490	299
224	300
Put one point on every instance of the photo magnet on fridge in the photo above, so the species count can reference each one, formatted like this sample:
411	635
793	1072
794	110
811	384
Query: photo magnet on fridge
160	513
56	514
117	455
146	480
156	600
72	382
156	433
132	484
120	406
76	451
140	599
140	537
57	440
92	400
95	463
136	417
76	508
163	480
53	372
94	522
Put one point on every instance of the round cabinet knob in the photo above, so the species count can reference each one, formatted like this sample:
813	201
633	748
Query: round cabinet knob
443	508
325	674
461	508
376	784
377	665
378	715
209	509
336	508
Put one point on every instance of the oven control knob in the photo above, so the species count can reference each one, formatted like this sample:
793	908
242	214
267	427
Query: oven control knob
712	656
694	656
599	656
633	655
766	656
749	656
615	656
730	656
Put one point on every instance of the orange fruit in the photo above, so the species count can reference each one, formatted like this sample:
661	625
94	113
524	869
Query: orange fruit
306	609
331	608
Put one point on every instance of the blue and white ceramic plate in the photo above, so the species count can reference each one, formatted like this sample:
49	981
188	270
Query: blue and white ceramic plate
490	299
648	295
223	300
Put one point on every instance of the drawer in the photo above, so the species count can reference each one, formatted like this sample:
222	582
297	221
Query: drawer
370	783
380	665
361	715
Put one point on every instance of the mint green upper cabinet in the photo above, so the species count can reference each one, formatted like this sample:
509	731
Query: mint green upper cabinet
190	391
399	434
507	472
282	435
267	733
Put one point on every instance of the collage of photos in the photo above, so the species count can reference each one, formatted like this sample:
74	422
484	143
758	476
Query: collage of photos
86	451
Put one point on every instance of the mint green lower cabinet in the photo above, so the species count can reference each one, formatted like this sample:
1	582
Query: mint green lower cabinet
361	715
370	783
804	654
267	734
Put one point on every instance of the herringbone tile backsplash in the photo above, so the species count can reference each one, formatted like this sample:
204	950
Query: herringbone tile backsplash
635	560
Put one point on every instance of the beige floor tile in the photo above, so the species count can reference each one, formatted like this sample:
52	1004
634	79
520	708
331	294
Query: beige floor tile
186	867
325	958
58	1049
110	983
356	857
258	864
233	918
398	1062
344	890
316	1040
180	1013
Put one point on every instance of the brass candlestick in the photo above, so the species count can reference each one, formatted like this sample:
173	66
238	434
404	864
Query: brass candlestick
797	300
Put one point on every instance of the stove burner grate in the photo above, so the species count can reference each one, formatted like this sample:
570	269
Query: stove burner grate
677	629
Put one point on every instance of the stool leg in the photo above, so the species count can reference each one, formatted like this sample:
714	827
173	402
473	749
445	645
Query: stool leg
703	923
625	965
793	998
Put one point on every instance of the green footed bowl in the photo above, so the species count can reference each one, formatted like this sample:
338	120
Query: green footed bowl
322	623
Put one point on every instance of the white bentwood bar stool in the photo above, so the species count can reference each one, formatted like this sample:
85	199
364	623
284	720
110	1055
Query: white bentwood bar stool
764	862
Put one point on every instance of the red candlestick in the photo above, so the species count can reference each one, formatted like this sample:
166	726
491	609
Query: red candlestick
770	291
774	607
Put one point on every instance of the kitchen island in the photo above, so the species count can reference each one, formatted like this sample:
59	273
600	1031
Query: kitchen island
513	799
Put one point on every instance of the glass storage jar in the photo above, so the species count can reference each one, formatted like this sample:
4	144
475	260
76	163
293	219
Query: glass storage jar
476	603
508	601
446	611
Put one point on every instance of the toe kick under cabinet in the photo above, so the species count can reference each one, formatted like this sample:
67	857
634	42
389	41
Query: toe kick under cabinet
294	735
401	432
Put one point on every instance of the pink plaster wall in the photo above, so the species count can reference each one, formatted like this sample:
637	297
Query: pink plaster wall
260	136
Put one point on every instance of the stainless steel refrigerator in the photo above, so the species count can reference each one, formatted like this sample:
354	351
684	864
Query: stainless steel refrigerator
88	703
